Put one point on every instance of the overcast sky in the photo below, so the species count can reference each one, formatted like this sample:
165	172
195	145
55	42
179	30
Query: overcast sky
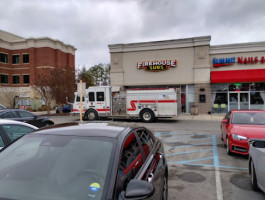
91	25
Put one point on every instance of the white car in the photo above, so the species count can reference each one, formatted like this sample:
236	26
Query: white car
2	107
257	163
10	130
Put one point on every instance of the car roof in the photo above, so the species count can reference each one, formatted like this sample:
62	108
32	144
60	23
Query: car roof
110	129
8	121
10	109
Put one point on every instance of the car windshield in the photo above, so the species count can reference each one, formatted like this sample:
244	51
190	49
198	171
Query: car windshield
249	118
55	167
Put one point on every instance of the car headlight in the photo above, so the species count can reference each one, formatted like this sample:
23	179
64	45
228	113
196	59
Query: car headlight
238	137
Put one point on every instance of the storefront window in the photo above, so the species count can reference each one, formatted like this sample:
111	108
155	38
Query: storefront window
219	87
237	87
219	103
257	86
183	102
190	96
257	100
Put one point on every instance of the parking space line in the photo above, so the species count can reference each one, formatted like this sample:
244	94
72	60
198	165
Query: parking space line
187	140
184	136
219	189
185	145
188	161
170	133
187	152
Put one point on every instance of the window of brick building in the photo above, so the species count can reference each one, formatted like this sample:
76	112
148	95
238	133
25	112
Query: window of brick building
26	79
3	58
25	58
15	59
4	78
15	79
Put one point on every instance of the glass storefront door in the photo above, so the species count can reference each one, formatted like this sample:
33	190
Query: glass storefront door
233	101
244	101
238	100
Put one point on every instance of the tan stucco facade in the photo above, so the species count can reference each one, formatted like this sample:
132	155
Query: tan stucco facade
193	68
192	57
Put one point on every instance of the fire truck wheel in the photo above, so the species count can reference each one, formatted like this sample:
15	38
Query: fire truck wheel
91	115
147	115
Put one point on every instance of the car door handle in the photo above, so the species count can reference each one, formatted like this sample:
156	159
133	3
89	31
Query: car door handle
137	162
150	177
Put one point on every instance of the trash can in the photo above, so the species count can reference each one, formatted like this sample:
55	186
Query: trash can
194	110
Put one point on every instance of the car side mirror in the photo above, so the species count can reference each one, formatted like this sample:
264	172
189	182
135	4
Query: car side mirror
35	116
137	189
225	121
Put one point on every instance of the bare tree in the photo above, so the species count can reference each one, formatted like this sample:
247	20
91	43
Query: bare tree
9	95
55	84
45	90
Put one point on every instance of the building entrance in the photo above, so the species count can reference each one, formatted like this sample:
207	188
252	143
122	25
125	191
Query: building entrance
238	101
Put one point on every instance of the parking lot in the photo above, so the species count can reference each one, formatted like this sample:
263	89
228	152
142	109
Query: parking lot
199	167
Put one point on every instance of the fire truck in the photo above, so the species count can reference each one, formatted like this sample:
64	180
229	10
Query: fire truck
112	102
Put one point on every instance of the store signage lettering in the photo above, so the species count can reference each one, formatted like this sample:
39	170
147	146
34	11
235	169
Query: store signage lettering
157	66
218	62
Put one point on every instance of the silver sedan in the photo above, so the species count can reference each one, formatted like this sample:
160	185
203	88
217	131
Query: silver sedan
256	164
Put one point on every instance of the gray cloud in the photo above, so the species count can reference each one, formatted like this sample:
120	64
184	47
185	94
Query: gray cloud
91	25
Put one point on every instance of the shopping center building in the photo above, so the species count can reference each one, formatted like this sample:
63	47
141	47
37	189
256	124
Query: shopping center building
214	79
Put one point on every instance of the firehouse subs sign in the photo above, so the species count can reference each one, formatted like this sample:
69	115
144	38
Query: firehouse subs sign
218	62
157	66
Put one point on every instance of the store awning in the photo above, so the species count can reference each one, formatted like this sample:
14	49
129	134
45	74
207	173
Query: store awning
235	76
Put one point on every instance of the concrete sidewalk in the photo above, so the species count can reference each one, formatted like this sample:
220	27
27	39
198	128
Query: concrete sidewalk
214	117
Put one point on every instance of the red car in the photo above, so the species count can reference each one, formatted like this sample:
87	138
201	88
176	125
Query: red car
239	126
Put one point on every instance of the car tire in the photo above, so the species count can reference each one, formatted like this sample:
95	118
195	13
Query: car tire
254	183
228	151
91	115
147	115
165	189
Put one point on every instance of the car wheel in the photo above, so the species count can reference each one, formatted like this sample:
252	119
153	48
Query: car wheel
222	139
254	183
91	115
147	116
165	189
228	151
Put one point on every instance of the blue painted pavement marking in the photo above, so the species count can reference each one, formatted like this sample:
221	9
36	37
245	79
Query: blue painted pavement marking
170	133
215	152
185	145
183	136
187	152
190	162
187	140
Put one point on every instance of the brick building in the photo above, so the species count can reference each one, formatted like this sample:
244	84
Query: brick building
22	60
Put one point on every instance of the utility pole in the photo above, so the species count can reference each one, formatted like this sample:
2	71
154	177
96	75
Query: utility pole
81	101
